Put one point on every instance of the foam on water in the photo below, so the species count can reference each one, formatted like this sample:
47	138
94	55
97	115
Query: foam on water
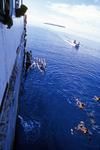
29	125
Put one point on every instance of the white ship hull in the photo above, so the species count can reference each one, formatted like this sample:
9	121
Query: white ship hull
9	42
12	46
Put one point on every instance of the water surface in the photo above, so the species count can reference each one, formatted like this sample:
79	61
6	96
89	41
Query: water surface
47	106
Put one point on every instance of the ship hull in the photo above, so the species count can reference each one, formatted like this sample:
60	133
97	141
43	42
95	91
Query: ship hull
12	50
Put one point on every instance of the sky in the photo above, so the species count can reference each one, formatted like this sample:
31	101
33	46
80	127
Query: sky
79	16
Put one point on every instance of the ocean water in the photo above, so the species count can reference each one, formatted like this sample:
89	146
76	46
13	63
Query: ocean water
47	111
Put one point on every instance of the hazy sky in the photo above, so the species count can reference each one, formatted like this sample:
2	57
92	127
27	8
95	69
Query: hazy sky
81	16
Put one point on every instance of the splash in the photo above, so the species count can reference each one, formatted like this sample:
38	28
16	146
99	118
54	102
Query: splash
29	125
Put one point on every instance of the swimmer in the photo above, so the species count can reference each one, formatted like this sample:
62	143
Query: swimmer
41	64
81	127
33	65
44	62
74	41
41	67
80	104
96	98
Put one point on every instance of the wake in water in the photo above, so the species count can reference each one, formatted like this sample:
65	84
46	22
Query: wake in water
29	125
31	129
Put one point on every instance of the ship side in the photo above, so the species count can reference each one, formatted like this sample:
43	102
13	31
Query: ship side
12	48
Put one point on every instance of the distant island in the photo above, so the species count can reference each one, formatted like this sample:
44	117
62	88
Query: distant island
55	25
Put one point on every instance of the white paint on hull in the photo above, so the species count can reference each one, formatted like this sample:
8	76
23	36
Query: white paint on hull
9	42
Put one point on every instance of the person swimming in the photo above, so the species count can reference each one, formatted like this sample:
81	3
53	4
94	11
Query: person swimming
81	127
33	65
74	41
80	104
96	98
77	45
41	64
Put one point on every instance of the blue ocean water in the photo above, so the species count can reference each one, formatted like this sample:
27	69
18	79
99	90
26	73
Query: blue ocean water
47	104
